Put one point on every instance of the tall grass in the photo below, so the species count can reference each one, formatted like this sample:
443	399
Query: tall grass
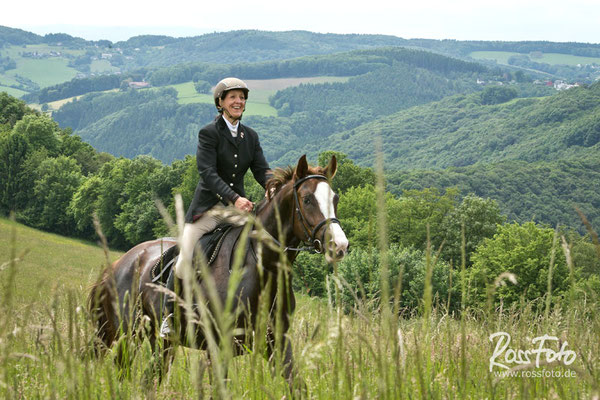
368	352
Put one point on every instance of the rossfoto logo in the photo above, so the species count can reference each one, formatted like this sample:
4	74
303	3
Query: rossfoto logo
545	349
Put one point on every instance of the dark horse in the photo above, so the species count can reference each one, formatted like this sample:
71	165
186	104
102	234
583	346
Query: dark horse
301	199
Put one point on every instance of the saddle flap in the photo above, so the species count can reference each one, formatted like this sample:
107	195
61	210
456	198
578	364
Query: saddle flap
210	244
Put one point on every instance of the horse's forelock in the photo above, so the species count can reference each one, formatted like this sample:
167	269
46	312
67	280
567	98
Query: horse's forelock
281	176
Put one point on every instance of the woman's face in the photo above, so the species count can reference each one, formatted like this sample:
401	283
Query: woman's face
233	104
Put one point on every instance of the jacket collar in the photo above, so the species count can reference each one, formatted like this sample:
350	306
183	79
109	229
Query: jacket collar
224	130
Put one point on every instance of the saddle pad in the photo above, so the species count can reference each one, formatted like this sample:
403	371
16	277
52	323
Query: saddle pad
209	245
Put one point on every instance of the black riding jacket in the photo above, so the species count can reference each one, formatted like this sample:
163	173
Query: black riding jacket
222	162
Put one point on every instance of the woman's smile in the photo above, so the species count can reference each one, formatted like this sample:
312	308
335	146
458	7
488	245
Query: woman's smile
234	105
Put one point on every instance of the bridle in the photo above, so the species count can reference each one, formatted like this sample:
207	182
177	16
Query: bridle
316	245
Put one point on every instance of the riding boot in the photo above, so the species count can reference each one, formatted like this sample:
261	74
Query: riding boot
166	329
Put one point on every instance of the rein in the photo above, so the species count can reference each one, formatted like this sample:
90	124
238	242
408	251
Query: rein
312	249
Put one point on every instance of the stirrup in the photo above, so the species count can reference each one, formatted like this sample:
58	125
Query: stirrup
166	331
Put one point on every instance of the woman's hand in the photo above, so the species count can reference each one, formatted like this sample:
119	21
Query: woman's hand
244	204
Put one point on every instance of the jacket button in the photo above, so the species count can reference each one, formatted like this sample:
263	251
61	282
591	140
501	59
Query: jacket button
231	184
235	165
233	175
235	155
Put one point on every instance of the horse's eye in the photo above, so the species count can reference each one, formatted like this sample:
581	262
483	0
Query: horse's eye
307	200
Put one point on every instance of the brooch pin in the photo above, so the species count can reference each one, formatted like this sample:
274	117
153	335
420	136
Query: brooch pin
242	134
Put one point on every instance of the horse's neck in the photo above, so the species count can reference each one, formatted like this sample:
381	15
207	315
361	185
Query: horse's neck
268	218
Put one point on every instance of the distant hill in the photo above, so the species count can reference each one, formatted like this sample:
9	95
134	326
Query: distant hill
67	56
461	130
382	81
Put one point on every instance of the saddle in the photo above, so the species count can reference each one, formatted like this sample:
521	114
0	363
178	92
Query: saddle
209	245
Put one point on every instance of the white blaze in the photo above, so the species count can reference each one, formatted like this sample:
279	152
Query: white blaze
324	196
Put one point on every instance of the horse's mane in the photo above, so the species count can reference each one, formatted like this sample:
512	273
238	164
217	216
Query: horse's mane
281	176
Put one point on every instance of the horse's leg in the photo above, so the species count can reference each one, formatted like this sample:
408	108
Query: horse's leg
213	378
166	360
163	354
289	373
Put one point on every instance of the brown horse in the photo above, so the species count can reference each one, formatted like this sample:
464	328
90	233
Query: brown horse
302	200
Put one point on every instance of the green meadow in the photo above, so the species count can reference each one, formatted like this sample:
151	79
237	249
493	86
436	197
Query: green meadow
102	66
549	58
43	71
368	351
12	91
49	263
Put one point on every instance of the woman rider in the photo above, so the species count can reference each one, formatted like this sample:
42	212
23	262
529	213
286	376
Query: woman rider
226	150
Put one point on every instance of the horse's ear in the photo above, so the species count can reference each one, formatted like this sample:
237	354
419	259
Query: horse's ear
331	168
301	168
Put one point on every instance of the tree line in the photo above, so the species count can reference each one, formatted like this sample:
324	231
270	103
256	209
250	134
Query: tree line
352	63
54	181
6	63
400	84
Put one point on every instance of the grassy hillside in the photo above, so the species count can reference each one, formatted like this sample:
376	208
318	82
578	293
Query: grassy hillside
366	352
48	264
43	70
12	91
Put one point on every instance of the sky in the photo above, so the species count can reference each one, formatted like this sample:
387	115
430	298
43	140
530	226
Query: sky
508	20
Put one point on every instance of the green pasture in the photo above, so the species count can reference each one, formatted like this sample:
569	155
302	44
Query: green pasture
102	66
49	263
12	91
6	80
369	351
549	58
44	71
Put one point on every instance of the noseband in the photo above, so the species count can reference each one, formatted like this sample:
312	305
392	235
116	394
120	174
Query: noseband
316	244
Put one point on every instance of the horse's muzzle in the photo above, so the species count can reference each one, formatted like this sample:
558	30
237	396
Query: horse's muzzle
336	250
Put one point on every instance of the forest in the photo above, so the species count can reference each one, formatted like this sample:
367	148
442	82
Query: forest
52	180
415	77
462	130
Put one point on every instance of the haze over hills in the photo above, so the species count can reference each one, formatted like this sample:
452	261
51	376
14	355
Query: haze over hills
60	57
